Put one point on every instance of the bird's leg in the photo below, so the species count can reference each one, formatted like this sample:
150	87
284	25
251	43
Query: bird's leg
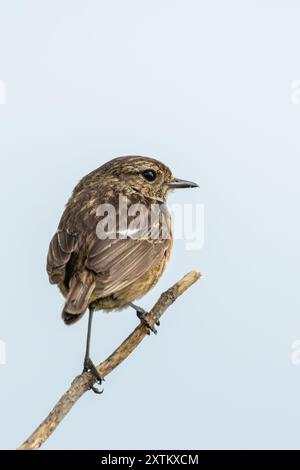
141	314
88	364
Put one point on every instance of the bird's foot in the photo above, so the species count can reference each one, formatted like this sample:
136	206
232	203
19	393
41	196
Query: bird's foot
89	366
141	314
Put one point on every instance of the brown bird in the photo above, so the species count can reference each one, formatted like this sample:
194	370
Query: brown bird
103	257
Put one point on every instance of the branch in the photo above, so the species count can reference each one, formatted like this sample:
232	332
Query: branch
84	381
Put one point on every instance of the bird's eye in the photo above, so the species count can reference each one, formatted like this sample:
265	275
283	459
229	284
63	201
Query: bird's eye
149	175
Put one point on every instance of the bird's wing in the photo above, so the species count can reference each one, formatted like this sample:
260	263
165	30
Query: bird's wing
120	262
107	265
133	250
62	245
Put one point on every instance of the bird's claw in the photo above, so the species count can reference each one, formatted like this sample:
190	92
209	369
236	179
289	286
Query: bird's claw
96	390
141	314
89	366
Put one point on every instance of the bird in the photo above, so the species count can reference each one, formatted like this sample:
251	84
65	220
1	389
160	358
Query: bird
103	264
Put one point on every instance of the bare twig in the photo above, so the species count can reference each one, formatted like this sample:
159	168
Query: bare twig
83	382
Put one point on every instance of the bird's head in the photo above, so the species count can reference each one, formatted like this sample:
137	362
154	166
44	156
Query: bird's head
144	175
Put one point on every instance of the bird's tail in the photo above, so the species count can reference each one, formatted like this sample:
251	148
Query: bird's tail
78	298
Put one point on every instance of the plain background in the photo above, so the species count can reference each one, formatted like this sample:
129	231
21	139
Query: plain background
205	86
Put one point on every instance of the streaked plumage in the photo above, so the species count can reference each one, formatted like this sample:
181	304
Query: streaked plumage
108	273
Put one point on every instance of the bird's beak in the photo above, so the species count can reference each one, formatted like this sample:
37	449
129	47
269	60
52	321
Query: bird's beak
177	183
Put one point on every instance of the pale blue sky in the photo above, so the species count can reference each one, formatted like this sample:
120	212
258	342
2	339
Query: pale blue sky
205	86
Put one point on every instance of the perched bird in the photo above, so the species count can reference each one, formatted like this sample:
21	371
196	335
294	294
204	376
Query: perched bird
103	264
